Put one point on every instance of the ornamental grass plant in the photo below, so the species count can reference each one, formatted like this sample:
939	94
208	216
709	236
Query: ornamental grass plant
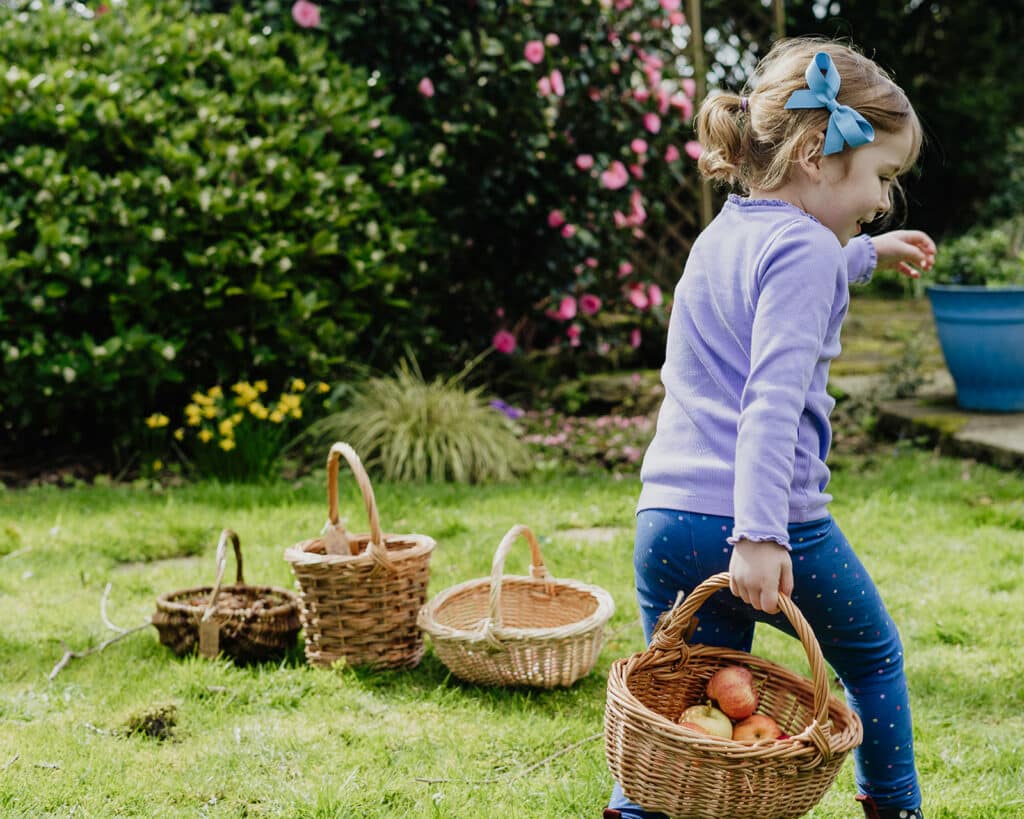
406	428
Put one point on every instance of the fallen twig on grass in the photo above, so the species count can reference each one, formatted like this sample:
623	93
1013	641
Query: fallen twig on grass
10	762
490	780
70	655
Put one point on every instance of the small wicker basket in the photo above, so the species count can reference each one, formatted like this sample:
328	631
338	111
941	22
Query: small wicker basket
667	768
360	592
510	630
245	623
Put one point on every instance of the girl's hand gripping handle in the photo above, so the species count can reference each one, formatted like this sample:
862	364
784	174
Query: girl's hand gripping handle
759	571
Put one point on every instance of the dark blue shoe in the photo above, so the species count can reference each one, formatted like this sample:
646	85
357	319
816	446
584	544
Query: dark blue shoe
872	811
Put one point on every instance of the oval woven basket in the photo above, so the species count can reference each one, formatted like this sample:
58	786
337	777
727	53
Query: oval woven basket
360	593
518	631
246	623
667	768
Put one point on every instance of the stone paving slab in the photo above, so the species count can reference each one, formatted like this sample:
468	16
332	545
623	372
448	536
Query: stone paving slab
991	437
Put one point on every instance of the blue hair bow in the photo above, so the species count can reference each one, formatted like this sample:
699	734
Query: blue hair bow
845	125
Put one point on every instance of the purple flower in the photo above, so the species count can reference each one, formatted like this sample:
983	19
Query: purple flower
507	409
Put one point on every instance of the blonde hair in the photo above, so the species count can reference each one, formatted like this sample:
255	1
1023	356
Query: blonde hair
756	147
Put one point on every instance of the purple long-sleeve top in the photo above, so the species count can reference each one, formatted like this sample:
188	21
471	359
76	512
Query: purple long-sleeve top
743	430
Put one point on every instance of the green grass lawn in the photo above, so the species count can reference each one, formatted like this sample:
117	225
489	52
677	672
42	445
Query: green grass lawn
944	539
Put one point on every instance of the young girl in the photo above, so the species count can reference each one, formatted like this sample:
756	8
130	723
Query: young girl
735	478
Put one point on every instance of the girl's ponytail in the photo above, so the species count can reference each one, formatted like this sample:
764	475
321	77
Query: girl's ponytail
720	126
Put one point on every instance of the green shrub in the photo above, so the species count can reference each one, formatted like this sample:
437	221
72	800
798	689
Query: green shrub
411	429
183	202
985	256
508	149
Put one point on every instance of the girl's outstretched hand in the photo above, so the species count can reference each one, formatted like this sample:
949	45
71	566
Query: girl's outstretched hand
905	251
759	571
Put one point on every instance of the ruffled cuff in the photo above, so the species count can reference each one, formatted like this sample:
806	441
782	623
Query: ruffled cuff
861	259
738	536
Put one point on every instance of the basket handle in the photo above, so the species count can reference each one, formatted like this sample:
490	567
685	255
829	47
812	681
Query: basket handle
222	562
343	450
537	569
672	629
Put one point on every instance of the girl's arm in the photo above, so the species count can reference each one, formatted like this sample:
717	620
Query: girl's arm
902	250
905	250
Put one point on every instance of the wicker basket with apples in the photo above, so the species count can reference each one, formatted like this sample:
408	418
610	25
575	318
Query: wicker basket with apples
689	728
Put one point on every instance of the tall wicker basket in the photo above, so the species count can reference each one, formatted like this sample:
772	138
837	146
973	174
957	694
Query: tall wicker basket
511	630
667	768
361	592
243	622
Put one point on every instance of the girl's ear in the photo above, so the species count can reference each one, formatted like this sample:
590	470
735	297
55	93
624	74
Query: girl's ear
809	155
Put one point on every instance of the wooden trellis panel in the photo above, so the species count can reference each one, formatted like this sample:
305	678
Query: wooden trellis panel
732	35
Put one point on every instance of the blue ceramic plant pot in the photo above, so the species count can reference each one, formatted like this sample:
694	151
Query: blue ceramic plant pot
981	331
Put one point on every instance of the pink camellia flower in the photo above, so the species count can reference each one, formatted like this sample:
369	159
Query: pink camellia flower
551	39
683	103
638	297
690	87
670	5
594	94
573	331
585	162
557	83
566	308
641	95
589	303
534	51
615	177
426	87
620	220
639	146
544	87
590	262
654	295
693	149
671	153
637	213
652	122
637	171
306	14
664	100
504	342
634	338
676	18
625	268
556	219
568	231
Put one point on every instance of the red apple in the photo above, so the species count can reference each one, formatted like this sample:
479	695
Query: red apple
709	718
756	728
733	688
693	726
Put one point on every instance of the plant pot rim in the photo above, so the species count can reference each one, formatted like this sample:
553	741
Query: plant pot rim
973	288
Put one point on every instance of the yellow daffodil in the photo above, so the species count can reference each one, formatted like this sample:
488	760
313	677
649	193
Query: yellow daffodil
276	417
298	385
261	386
179	434
209	411
323	386
227	444
215	392
158	465
202	399
205	435
157	420
226	427
236	418
258	410
296	413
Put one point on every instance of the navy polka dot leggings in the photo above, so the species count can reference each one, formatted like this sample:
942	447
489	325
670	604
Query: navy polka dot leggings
677	550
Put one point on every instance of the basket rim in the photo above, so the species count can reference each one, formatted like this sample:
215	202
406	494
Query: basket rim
422	545
166	602
439	631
